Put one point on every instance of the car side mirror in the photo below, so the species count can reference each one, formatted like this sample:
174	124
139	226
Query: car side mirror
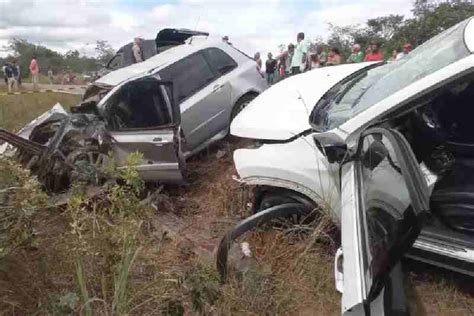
374	155
331	146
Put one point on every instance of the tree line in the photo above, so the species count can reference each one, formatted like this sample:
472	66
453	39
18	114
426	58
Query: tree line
393	31
23	51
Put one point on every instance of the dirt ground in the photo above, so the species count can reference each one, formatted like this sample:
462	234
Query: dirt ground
295	277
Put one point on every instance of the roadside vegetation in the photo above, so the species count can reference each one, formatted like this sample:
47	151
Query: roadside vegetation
17	110
111	254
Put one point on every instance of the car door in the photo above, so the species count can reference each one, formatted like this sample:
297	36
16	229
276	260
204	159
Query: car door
384	201
222	65
200	98
142	117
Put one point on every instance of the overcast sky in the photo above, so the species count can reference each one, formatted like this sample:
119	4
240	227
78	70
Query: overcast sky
77	24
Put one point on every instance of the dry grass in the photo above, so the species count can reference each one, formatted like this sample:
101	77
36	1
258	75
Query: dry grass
292	276
435	291
17	110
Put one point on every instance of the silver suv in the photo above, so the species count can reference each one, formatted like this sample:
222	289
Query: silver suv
168	107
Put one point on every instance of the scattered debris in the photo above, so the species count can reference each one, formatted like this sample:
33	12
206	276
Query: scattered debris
220	154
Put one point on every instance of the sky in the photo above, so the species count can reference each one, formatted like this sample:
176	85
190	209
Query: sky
263	24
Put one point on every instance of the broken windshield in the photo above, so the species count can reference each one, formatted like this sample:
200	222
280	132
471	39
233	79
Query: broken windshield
350	98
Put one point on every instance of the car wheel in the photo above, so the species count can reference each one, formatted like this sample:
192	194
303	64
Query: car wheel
88	165
296	224
241	104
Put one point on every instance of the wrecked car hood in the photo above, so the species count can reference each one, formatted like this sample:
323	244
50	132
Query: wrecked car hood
282	111
56	111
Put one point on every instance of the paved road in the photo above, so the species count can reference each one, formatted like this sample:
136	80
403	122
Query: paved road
72	89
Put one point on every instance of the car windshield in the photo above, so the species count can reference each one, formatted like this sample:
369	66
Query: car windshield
365	89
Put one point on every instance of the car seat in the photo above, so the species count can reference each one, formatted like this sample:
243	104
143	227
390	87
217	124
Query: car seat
453	196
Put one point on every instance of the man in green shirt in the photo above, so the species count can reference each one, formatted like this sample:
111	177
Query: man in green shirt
357	56
300	56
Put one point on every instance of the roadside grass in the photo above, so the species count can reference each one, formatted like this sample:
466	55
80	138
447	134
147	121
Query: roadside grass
106	256
17	110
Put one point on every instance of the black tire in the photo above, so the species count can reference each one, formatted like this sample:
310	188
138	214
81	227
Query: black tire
282	197
241	104
273	198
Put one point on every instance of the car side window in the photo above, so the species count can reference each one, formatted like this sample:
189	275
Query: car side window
220	61
138	105
115	62
188	75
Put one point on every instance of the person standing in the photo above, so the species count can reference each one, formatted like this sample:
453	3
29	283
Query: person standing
50	75
270	67
322	56
299	60
394	56
288	58
4	70
137	50
375	53
314	60
34	70
10	72
356	55
258	60
334	57
406	50
17	73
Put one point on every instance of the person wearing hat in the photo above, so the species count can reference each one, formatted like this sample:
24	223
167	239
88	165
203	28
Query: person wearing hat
406	50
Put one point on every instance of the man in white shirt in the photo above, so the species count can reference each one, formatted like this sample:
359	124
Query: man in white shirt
406	50
299	59
4	70
137	50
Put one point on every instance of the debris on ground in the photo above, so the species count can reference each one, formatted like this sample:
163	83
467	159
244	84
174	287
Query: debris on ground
220	154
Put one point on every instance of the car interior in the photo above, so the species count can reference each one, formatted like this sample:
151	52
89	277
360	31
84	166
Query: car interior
138	105
441	133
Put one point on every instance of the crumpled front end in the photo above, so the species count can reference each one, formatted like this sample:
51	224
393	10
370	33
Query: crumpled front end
297	166
59	147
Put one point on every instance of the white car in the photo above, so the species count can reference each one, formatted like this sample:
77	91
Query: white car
386	149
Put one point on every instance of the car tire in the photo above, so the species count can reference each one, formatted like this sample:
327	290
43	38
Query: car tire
241	104
273	198
282	197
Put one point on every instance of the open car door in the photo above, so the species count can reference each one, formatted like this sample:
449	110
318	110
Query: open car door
384	202
142	117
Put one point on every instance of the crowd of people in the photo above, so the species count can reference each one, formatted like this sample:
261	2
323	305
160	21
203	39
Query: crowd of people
304	56
295	59
12	74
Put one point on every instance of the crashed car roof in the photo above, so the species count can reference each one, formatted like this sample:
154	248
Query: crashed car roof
167	57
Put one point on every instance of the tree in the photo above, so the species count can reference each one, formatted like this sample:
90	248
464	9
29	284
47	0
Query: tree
104	51
23	52
385	27
392	31
342	37
432	18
